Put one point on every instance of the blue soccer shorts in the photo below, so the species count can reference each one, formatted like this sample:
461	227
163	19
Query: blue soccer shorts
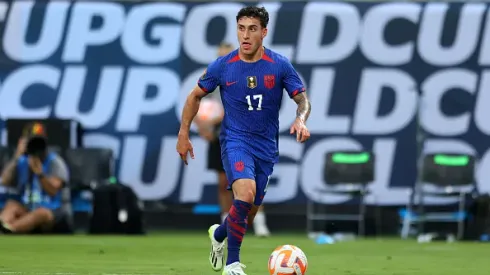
240	164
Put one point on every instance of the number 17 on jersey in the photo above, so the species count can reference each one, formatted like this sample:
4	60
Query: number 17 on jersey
255	99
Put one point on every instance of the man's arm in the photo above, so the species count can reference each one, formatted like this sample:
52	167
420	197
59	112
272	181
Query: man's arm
191	108
8	173
206	84
302	114
296	90
304	106
56	178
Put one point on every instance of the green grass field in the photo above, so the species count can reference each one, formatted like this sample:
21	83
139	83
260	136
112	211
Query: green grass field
186	254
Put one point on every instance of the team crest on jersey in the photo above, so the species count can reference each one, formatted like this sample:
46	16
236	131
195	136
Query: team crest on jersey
269	81
239	166
203	76
251	82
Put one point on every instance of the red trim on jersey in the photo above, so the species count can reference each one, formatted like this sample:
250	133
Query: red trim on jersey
267	58
234	59
202	87
293	94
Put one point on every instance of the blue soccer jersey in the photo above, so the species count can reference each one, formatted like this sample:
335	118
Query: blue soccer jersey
251	94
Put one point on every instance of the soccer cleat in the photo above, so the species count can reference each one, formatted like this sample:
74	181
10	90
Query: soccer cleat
216	256
235	268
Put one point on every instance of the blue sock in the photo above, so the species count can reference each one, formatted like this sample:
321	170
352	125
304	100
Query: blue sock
221	231
237	226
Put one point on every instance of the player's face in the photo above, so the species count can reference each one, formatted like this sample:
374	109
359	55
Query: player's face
250	35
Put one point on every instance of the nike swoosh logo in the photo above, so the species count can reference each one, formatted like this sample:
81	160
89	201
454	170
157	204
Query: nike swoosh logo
230	83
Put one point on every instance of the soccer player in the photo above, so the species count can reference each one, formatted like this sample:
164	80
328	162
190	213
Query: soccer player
251	81
209	130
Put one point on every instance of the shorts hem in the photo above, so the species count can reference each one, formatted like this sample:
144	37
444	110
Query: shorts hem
240	178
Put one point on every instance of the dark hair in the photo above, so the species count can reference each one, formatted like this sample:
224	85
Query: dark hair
255	12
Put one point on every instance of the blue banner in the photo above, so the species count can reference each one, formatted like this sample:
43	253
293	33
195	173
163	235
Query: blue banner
124	69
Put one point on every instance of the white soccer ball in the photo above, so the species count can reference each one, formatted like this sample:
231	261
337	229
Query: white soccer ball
288	260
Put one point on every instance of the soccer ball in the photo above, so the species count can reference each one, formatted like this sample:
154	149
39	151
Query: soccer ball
288	260
209	110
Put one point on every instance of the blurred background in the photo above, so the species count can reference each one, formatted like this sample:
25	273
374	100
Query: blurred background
400	94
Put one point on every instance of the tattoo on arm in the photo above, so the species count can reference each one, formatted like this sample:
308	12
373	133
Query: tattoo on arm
304	106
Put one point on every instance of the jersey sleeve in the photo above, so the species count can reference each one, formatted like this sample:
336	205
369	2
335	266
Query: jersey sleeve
291	81
210	79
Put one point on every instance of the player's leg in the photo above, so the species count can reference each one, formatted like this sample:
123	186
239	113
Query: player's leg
263	172
244	193
224	195
236	224
217	232
216	256
239	167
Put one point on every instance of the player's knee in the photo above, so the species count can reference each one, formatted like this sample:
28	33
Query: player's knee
246	196
244	190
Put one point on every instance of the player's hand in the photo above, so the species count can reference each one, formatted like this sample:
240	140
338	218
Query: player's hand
184	147
302	133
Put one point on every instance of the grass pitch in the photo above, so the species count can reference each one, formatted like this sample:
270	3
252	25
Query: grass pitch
186	254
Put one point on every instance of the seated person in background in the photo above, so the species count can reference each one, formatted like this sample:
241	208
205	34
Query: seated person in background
40	176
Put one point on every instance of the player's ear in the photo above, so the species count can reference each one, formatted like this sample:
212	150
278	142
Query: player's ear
264	33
